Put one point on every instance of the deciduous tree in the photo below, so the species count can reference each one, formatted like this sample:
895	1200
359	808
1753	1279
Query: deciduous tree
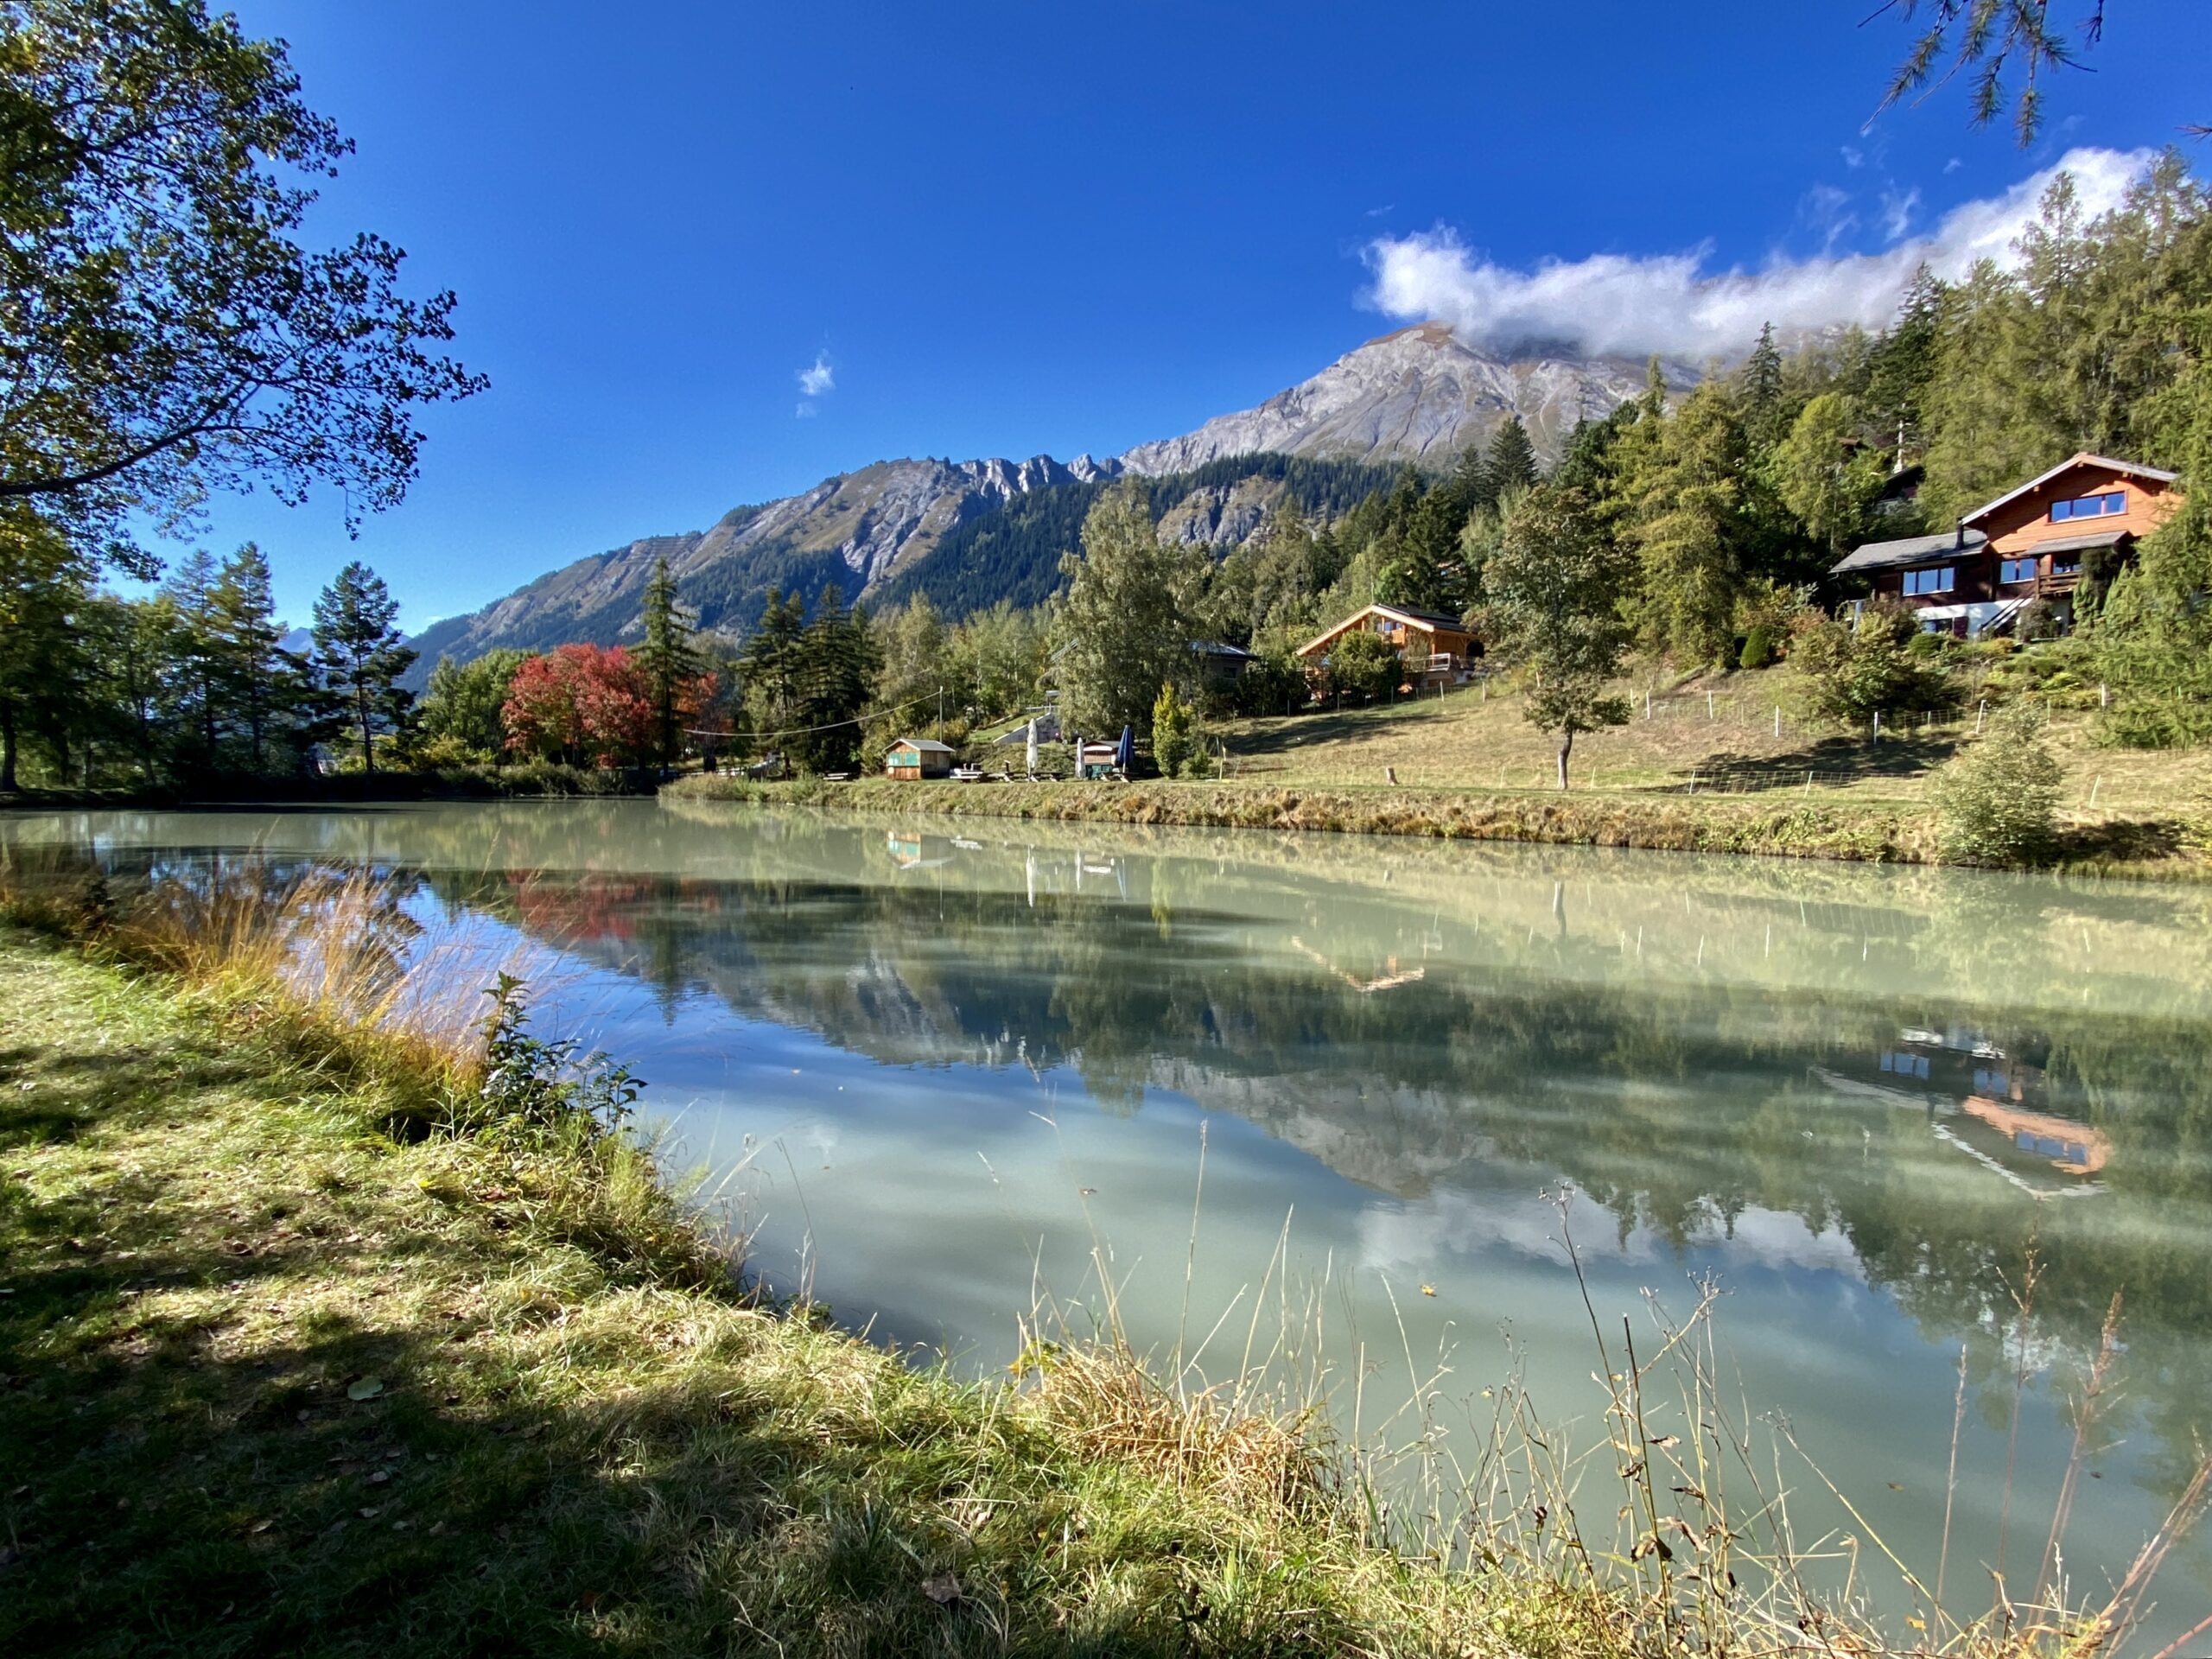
1554	588
166	332
1120	627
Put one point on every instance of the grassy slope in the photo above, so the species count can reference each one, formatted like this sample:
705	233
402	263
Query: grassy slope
1469	767
582	1440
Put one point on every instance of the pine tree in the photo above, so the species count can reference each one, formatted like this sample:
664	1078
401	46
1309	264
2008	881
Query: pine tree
769	665
1511	465
361	652
837	663
670	658
1760	393
1692	529
263	685
1469	480
196	677
1900	366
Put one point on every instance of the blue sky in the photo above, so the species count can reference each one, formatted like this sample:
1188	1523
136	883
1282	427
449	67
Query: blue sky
1002	230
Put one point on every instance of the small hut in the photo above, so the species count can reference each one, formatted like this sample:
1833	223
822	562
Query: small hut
916	757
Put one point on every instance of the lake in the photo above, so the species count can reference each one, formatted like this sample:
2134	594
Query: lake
945	1073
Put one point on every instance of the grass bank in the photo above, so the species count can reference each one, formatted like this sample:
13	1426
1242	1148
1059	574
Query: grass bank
281	1381
1776	826
314	1342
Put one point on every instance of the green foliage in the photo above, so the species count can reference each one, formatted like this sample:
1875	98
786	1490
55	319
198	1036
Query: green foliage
533	1087
1822	478
1178	743
1990	36
1120	627
671	660
1013	555
1363	663
179	337
1901	366
362	654
460	712
1760	648
1997	801
1274	684
1759	392
1510	465
1554	588
1692	527
1874	666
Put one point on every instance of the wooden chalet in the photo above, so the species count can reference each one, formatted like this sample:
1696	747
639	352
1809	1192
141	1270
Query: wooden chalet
1436	649
916	757
2030	544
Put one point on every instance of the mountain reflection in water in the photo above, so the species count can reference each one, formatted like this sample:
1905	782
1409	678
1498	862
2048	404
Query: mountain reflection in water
1861	1098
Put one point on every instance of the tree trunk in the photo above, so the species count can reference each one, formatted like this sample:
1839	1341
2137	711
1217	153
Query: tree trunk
1565	748
7	746
368	737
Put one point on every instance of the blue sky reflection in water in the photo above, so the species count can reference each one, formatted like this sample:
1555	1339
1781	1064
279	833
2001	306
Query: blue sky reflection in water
971	1063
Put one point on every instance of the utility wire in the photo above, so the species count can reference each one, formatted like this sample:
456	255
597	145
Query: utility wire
801	731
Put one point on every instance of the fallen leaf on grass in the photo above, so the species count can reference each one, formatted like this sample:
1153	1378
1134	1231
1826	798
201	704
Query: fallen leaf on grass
261	1526
941	1588
1428	1290
366	1388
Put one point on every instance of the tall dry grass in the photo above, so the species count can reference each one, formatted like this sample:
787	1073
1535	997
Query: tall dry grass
1662	1522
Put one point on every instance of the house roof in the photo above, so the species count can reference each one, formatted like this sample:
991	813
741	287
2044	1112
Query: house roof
1428	622
2132	469
1909	549
2083	543
927	744
1218	648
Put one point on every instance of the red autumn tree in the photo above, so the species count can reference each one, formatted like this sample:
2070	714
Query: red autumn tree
577	703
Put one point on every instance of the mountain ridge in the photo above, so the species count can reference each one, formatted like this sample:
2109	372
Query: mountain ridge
1416	396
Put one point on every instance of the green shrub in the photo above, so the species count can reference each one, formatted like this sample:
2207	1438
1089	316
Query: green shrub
1759	650
532	1086
1363	665
1177	745
1877	667
1997	801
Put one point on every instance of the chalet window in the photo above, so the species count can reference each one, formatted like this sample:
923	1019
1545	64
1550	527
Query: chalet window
2089	506
2066	564
2016	571
1938	580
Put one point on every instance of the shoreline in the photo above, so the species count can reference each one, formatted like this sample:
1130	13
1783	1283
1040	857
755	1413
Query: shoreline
2141	850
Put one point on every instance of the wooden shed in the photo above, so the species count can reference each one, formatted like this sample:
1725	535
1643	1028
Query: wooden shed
916	757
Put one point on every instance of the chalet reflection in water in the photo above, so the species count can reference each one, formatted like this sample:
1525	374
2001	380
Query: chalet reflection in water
1990	1101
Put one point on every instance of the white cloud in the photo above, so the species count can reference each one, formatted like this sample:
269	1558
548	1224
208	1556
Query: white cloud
1671	303
1898	209
818	379
1853	156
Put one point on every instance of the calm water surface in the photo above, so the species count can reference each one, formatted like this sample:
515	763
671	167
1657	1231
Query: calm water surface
940	1069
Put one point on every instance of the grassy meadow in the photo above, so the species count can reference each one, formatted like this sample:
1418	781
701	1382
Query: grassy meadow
1718	764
